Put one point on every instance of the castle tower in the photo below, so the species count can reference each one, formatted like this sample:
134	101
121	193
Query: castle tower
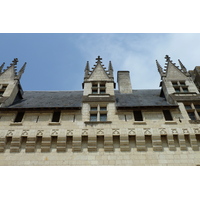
98	94
10	87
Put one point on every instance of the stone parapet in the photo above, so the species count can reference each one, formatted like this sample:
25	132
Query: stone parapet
144	138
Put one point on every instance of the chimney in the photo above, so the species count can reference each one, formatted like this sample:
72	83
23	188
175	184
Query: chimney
124	82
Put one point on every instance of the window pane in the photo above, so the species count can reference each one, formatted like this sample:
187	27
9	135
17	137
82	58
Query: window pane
185	89
56	117
103	117
182	82
188	107
177	89
19	117
94	85
94	91
167	115
102	91
138	115
192	115
174	83
197	106
102	85
93	117
103	108
93	109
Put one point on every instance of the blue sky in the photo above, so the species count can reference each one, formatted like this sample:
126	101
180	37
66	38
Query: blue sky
56	61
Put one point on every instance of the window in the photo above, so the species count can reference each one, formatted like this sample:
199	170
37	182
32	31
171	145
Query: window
98	88
19	117
2	90
193	111
180	86
167	115
56	116
138	115
98	113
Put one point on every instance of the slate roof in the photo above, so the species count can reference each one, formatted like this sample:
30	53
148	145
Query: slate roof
73	99
141	98
49	99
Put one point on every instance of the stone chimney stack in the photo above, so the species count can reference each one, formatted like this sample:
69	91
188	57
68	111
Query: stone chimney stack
124	82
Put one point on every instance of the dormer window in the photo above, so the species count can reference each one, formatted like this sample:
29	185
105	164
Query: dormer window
98	88
98	113
2	90
180	86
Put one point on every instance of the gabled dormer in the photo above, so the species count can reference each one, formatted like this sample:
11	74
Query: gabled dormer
98	82
10	88
176	84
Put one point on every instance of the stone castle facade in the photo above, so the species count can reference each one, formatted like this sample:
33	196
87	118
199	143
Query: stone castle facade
100	125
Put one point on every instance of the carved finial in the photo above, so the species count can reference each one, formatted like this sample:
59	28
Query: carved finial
182	66
110	69
160	69
15	61
110	66
87	69
21	71
167	58
99	61
1	67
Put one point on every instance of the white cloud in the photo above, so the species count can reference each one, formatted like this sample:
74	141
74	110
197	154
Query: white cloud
137	53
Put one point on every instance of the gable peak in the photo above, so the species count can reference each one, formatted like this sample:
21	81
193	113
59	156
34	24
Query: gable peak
106	73
11	71
168	64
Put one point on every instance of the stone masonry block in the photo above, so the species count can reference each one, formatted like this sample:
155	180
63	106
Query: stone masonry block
124	140
182	142
61	144
46	144
2	144
171	143
30	144
193	142
108	140
15	145
156	141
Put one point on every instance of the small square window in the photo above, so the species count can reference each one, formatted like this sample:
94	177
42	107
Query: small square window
177	89
182	83
138	115
174	83
167	115
93	117
188	107
94	91
103	117
93	109
19	117
197	106
102	91
102	85
56	116
103	108
192	115
94	85
185	89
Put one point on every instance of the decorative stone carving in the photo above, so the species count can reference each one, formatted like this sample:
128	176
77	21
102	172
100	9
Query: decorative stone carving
54	132
69	132
116	132
40	132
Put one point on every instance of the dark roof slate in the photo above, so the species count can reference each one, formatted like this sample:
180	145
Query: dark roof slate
141	98
50	99
73	99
